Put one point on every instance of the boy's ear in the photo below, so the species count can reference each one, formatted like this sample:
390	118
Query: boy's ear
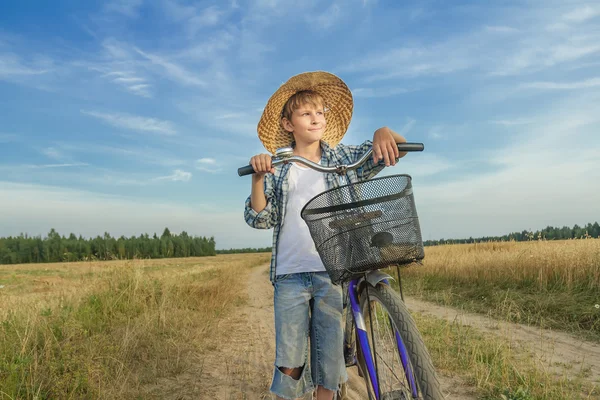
287	125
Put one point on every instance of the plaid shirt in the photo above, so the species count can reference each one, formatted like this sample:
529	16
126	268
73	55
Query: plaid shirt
276	188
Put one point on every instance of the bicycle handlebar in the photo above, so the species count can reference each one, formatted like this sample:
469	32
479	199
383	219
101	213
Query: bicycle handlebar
285	155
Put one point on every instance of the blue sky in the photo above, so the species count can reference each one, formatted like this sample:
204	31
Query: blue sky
127	116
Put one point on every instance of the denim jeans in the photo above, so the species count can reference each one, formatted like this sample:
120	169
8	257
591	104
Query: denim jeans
308	322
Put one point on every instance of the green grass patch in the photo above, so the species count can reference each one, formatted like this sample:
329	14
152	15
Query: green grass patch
573	310
493	366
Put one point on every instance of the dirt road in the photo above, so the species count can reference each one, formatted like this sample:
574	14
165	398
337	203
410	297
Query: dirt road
240	364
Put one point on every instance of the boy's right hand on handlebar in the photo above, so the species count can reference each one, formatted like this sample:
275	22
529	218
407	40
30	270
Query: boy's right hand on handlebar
262	165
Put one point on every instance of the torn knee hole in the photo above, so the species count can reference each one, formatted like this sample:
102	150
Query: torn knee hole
294	373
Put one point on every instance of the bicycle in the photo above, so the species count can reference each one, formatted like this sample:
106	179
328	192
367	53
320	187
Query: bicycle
359	229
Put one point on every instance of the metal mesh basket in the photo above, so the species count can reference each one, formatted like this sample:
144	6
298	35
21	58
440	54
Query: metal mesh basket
365	226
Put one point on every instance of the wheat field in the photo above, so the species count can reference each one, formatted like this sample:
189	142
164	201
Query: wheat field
549	283
105	329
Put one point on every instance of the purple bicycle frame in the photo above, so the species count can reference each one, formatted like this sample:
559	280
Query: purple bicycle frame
361	333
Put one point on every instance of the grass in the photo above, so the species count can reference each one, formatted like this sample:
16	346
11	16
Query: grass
553	284
497	369
104	330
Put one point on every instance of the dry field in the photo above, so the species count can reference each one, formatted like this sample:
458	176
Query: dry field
107	329
202	327
553	284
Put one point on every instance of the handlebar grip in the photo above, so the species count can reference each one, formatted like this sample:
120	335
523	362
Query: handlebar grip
247	170
411	146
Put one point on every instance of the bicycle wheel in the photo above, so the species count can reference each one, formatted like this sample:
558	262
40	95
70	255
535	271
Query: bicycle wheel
388	316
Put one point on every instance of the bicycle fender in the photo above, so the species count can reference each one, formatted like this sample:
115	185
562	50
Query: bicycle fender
374	277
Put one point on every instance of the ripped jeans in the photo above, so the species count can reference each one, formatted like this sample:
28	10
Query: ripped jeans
307	305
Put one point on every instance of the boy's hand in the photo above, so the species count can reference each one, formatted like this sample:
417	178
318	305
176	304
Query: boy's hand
384	146
262	165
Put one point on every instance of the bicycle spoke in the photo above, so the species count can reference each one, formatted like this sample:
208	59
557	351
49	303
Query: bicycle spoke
383	336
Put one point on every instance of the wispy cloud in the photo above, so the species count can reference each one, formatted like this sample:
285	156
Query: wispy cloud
53	153
132	83
414	61
501	29
484	49
582	14
513	122
586	84
174	71
41	166
139	154
379	92
436	132
177	176
407	127
134	122
207	165
128	8
12	66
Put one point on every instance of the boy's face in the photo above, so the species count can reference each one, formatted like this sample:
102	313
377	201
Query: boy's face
307	124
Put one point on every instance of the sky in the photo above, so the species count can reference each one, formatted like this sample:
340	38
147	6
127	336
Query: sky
129	116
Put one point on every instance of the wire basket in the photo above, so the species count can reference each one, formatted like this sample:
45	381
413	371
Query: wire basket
365	226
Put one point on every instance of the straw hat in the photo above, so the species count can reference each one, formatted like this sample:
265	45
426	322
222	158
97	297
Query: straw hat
338	102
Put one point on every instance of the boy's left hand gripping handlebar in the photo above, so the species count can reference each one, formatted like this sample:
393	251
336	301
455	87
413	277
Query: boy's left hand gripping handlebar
249	170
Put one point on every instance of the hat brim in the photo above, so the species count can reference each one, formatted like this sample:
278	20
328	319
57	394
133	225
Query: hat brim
338	102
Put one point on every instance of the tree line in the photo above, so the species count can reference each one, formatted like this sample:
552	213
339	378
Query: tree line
245	250
549	233
56	248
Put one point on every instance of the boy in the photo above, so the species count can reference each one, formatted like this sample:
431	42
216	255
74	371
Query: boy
311	113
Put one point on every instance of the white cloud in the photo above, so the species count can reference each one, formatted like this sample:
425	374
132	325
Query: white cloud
231	115
582	14
140	90
64	209
172	70
53	153
513	122
57	165
134	122
207	165
142	154
379	92
123	69
484	49
586	84
544	53
544	178
12	66
177	176
501	29
420	165
211	45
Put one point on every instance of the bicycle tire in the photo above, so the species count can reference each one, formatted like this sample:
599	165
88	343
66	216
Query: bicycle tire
420	360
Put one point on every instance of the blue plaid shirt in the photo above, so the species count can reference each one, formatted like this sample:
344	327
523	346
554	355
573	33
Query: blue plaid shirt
276	188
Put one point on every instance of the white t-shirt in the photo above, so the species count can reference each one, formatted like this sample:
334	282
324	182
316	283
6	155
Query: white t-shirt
296	250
